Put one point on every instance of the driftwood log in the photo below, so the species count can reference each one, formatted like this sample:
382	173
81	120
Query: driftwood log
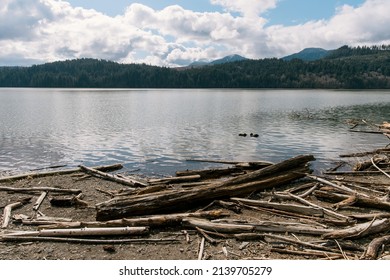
171	200
58	172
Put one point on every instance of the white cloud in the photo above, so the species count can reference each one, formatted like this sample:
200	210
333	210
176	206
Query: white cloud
246	7
48	30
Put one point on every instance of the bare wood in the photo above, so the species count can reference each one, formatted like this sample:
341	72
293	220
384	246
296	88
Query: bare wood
376	166
150	221
39	201
175	179
83	232
110	177
341	188
232	162
307	253
372	249
201	248
295	241
327	211
11	238
258	227
371	202
360	230
370	216
218	227
305	210
7	213
210	173
366	153
39	189
170	200
58	172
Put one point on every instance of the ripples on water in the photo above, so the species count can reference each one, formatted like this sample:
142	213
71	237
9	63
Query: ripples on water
154	131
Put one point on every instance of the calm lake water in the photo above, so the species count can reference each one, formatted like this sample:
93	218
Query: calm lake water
155	131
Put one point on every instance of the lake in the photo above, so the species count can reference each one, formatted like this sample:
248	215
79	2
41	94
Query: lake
154	131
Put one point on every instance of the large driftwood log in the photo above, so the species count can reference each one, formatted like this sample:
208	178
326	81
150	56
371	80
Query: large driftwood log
171	200
360	230
58	172
110	177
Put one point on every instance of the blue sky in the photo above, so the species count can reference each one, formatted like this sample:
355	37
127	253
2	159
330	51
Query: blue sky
178	32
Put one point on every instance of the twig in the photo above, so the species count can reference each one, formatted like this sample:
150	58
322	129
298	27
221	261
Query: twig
376	166
341	250
201	248
39	201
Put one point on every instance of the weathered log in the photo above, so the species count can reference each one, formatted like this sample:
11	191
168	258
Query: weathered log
11	238
149	221
39	189
258	227
110	177
210	173
373	248
111	167
171	200
83	232
305	210
179	179
370	202
360	230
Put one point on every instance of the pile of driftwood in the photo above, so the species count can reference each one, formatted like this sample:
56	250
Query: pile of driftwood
337	215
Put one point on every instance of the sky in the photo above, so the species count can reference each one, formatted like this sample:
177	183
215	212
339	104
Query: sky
178	32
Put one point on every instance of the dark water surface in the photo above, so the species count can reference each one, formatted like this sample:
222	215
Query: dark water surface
155	131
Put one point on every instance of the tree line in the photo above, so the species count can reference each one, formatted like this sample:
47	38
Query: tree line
344	68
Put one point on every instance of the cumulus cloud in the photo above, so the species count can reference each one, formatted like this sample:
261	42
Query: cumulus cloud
250	8
48	30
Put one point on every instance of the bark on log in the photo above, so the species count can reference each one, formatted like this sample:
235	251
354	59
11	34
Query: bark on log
171	200
373	248
58	172
110	177
360	230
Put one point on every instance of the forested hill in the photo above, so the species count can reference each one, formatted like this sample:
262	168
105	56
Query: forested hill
346	67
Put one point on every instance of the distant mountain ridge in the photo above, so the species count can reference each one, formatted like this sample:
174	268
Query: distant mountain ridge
344	68
308	54
226	59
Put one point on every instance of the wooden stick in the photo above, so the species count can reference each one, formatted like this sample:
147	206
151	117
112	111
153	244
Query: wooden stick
83	232
11	238
39	189
58	172
361	201
201	248
206	236
376	166
327	211
110	177
39	201
7	213
174	179
305	210
149	221
372	249
294	241
360	230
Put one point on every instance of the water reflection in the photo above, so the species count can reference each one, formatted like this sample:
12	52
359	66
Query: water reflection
156	130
